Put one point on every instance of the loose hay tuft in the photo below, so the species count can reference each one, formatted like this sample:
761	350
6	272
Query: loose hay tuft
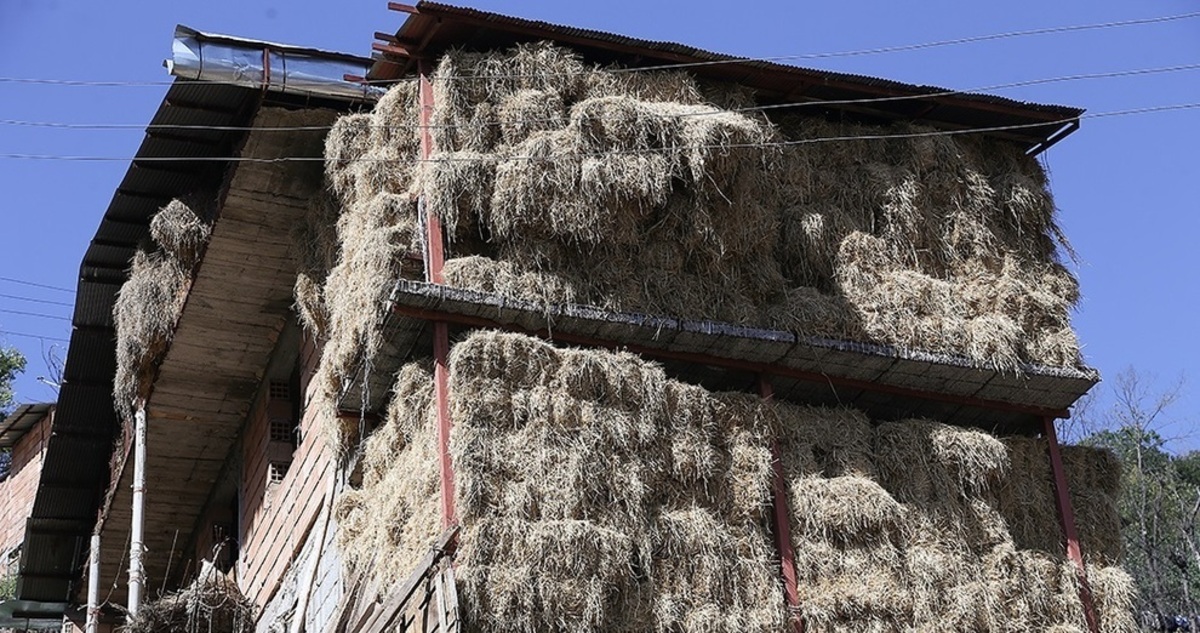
151	300
212	603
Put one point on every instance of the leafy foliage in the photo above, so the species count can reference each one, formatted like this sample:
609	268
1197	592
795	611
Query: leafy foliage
1160	501
11	364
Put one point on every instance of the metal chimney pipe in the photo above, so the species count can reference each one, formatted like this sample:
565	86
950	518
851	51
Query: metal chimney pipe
268	66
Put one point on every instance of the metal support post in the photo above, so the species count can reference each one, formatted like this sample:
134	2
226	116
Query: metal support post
93	591
137	569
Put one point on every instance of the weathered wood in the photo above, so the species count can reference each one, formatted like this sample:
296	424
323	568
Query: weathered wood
452	597
393	605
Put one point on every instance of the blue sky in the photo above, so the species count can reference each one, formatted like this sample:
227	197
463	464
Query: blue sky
1128	187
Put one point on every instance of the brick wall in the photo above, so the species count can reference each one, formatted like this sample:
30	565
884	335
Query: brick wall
17	492
276	517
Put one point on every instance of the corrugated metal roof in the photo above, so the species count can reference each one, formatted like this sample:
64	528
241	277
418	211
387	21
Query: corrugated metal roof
14	427
435	27
75	471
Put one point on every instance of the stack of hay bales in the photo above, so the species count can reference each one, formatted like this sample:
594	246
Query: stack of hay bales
597	494
652	192
151	300
370	166
212	603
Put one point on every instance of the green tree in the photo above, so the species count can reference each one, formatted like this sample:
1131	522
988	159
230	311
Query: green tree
11	364
1160	498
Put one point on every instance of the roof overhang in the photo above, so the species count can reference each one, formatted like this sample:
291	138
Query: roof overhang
18	423
431	28
188	142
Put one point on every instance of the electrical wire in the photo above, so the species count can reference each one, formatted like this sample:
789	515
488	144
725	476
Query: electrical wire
717	62
35	314
36	285
772	144
37	336
713	112
32	300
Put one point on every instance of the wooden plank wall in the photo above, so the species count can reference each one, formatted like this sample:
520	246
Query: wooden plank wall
276	518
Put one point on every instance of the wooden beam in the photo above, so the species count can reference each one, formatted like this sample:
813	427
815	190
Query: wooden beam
754	367
436	254
391	49
783	528
403	8
392	605
1066	518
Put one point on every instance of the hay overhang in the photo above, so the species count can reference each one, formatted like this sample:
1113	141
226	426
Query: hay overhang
1050	389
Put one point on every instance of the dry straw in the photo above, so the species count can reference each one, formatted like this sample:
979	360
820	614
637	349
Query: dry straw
211	604
637	191
597	494
151	300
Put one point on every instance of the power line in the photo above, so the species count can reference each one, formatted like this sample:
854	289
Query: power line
713	112
769	144
735	60
36	285
35	314
941	43
37	336
32	300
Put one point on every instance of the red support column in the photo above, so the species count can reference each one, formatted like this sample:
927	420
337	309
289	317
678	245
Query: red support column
1066	518
436	257
783	528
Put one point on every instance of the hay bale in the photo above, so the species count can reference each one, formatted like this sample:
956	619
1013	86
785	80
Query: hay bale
389	523
181	229
526	112
150	301
349	139
1114	592
315	251
375	235
578	181
570	455
146	310
212	602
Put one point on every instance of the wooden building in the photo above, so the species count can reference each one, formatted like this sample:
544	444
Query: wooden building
237	469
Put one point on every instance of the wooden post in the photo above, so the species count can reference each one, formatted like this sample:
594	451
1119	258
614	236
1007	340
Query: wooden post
783	528
1066	518
435	257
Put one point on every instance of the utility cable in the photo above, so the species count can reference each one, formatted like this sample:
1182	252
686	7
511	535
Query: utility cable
35	314
769	144
36	285
37	336
32	300
734	60
713	112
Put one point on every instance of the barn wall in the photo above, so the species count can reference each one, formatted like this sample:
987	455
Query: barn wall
17	492
276	517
